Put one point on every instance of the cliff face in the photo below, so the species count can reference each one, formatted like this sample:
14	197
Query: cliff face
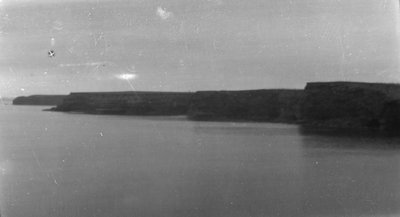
351	105
257	105
125	103
39	100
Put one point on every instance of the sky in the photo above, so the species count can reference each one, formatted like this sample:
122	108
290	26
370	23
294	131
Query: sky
190	45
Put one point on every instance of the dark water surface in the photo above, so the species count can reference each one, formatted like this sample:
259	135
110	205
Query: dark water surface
58	164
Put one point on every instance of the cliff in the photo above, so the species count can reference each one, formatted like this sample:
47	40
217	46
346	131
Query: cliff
39	100
256	105
127	103
342	105
351	105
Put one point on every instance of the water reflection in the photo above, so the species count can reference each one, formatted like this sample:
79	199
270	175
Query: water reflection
251	169
5	167
351	174
87	165
361	133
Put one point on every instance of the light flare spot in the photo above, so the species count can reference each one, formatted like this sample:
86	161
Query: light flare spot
163	13
126	76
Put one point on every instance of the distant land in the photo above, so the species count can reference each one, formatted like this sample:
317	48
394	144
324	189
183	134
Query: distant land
341	105
39	100
127	103
6	100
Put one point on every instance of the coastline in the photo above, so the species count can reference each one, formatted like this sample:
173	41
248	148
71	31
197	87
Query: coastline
329	105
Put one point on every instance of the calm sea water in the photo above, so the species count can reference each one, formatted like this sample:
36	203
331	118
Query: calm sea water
58	164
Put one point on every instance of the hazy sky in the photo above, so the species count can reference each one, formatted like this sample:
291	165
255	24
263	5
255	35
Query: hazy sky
181	45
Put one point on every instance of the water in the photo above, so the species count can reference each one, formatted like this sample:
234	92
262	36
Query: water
58	164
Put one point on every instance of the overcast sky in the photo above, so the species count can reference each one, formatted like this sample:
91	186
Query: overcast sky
188	45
